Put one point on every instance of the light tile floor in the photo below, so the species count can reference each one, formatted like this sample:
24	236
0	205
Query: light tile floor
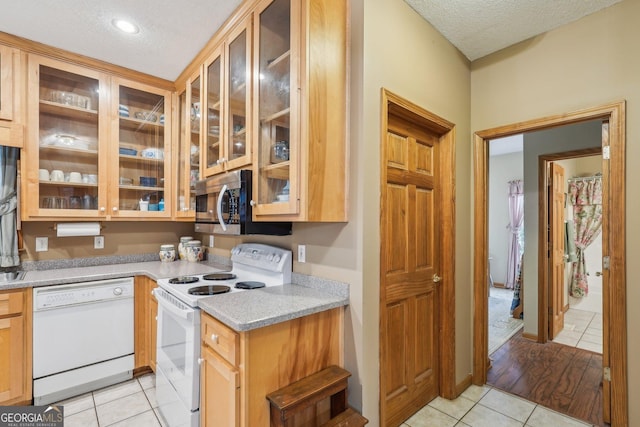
128	404
132	404
582	329
488	407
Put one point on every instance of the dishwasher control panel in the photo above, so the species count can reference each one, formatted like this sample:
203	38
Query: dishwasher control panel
81	293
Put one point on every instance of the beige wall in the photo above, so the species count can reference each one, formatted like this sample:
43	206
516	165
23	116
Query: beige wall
587	63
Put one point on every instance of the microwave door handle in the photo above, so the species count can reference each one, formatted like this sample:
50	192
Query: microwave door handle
219	207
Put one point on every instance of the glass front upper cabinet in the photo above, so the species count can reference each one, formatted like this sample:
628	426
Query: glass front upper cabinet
189	116
69	138
276	145
142	151
213	105
228	88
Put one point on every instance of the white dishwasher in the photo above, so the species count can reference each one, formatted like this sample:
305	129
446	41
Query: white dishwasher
82	338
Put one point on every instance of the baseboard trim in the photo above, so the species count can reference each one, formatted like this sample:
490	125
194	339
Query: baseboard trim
498	285
532	337
463	385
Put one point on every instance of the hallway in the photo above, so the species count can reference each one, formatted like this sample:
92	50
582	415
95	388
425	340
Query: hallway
563	378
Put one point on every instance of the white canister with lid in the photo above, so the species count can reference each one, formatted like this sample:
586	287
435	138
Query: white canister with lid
181	246
167	253
193	249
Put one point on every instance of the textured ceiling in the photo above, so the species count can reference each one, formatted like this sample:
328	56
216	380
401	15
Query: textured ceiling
172	32
480	27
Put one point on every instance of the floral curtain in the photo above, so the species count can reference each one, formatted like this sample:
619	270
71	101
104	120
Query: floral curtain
516	218
586	197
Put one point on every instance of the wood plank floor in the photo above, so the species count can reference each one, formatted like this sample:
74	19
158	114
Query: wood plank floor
565	379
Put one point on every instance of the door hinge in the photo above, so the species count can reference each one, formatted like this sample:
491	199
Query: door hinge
606	373
605	153
605	262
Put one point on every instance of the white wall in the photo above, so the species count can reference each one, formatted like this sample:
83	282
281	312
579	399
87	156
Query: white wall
502	169
551	141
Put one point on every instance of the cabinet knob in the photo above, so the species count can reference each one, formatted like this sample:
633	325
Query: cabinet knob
221	160
214	338
115	209
102	209
252	203
200	360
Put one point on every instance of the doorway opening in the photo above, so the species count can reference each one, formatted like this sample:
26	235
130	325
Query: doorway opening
615	402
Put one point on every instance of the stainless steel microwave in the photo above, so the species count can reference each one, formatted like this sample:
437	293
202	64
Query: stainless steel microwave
223	206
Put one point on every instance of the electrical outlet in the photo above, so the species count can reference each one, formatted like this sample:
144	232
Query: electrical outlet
211	241
42	244
302	253
98	242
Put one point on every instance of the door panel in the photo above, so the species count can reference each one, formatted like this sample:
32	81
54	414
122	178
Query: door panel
410	258
556	247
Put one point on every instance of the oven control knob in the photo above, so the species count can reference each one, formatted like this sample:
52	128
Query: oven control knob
117	291
276	258
235	251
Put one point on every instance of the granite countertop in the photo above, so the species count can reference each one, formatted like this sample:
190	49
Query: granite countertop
244	311
153	269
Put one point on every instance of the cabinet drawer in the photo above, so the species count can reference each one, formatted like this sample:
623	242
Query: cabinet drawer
221	339
11	303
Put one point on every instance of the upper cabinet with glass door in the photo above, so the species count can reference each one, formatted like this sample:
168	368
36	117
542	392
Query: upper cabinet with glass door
140	176
188	147
66	151
228	99
300	99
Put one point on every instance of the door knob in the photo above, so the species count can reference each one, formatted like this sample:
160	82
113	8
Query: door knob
598	273
436	278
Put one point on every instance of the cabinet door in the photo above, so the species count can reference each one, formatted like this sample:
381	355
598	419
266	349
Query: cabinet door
237	111
190	102
213	124
12	360
220	391
277	109
67	147
141	135
6	83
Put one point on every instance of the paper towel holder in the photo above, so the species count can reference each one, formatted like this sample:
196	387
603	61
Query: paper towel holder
78	229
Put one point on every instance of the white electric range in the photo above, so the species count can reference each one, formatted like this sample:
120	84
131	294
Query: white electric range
178	342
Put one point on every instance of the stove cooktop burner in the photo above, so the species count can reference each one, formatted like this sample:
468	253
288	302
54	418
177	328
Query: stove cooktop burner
250	285
181	280
209	290
219	276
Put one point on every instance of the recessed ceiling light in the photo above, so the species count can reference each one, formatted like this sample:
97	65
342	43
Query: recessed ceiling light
125	26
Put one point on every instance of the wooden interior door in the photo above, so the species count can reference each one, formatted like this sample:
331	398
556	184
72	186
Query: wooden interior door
410	259
556	249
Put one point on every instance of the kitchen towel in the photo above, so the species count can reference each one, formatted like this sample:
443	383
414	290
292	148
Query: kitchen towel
70	229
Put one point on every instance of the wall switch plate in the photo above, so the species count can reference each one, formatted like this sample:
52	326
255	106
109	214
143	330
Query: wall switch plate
42	244
211	241
302	253
98	242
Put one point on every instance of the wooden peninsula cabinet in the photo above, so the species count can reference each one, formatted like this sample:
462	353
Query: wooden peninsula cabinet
15	351
238	369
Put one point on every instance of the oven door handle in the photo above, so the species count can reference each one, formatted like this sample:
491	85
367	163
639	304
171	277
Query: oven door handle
172	308
219	207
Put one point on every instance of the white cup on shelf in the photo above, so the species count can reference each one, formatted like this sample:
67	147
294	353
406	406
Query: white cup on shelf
43	175
75	177
57	175
144	205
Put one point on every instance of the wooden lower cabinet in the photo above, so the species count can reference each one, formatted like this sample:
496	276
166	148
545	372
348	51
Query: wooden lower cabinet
238	369
145	313
15	347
